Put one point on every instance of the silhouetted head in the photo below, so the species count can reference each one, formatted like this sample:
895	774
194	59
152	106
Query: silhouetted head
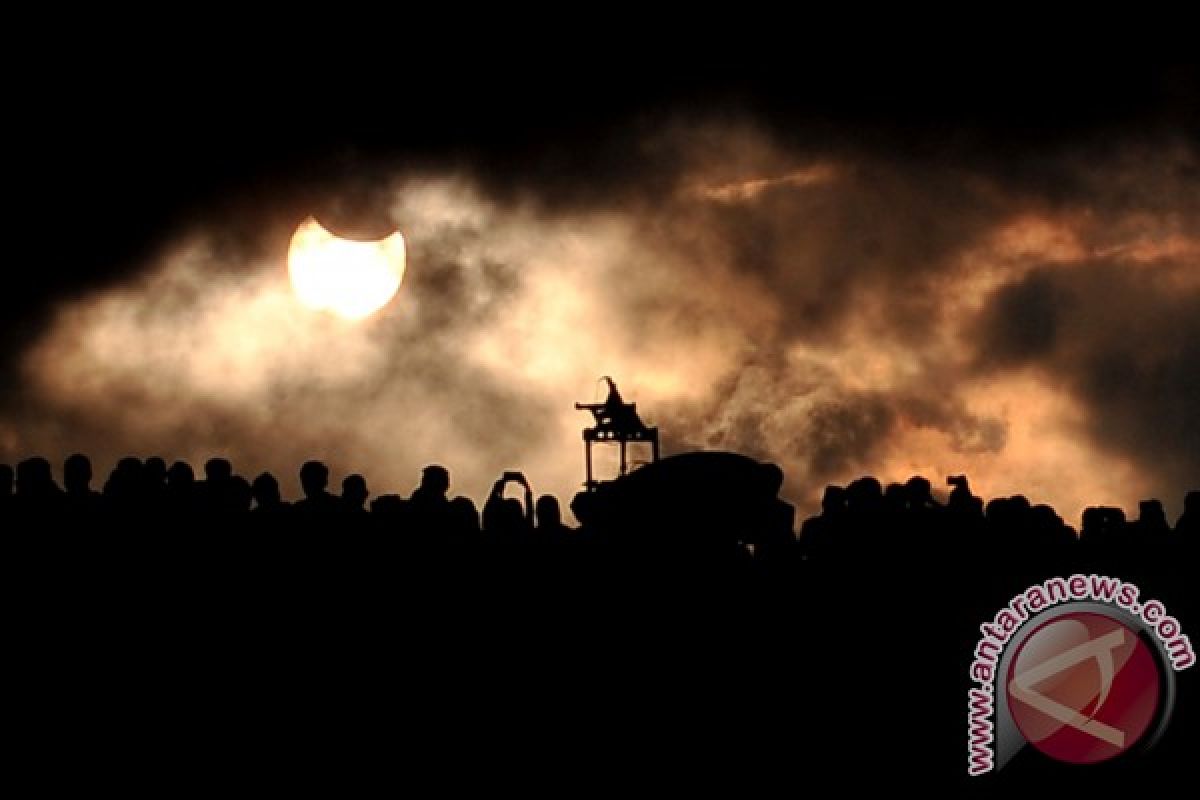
435	479
1151	512
771	478
129	467
354	491
1191	503
864	494
6	480
266	491
34	477
1046	516
1102	520
180	475
464	515
999	509
125	482
834	499
155	470
920	492
549	515
218	470
77	473
314	477
583	506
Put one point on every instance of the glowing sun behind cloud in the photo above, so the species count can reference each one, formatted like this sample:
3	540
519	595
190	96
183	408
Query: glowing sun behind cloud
349	278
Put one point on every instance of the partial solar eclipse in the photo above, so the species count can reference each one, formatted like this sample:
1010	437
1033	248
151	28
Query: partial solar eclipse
351	279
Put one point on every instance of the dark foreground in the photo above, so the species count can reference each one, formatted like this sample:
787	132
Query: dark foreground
339	656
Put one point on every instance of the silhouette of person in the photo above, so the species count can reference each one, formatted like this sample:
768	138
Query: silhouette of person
123	489
1152	519
772	521
216	491
80	498
616	414
819	535
548	518
961	501
435	482
1103	529
314	481
267	498
354	493
36	491
428	506
583	506
180	496
154	479
866	527
864	496
504	517
464	519
920	494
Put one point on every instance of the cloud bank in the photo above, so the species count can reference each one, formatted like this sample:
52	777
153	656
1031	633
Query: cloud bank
837	311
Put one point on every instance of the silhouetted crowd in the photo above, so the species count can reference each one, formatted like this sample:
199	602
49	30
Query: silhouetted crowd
864	503
685	600
899	519
151	488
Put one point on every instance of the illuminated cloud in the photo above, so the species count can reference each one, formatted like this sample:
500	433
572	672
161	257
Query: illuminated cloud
836	312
